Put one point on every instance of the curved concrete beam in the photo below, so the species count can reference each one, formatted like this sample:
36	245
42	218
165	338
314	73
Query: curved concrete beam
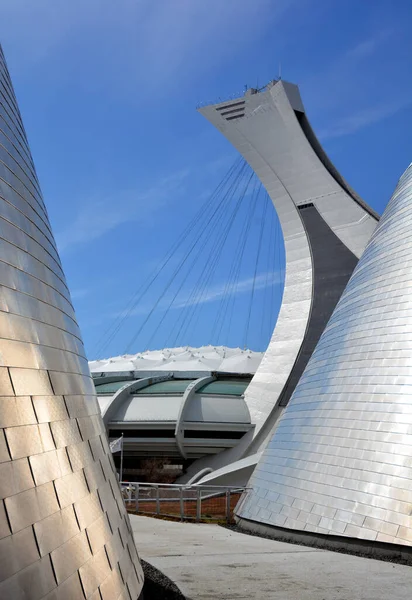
199	475
187	397
128	389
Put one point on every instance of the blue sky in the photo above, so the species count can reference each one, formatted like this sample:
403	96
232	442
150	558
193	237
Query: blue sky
108	92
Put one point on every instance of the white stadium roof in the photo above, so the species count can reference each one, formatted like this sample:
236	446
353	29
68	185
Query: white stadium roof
185	358
178	402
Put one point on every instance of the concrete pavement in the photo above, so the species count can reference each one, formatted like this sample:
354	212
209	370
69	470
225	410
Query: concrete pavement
211	562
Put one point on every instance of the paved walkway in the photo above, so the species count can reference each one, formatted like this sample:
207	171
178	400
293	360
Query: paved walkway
210	562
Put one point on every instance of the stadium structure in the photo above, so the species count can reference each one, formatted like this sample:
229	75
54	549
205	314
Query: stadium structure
179	403
64	531
324	413
339	462
325	226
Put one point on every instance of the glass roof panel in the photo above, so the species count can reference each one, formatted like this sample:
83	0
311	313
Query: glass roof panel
225	387
173	386
110	388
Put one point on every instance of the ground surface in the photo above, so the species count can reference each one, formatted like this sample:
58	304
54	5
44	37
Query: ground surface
212	562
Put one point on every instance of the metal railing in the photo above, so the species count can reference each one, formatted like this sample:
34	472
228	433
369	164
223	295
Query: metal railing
185	502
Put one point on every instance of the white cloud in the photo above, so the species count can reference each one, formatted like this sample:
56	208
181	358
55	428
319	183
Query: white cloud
212	294
351	92
79	293
144	45
98	217
363	118
243	286
204	32
369	46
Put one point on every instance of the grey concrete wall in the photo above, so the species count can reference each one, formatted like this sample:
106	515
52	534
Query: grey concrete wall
333	264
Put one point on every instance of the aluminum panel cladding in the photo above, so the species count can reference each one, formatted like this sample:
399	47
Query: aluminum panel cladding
339	462
57	480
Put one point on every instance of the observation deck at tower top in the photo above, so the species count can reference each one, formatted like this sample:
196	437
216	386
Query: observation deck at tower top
233	97
250	102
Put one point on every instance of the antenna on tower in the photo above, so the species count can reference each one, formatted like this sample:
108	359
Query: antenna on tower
280	71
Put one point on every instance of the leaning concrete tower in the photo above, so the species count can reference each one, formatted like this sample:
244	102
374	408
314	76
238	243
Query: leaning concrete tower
339	462
64	532
325	227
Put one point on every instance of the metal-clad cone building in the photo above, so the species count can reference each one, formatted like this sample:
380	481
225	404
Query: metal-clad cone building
340	460
64	532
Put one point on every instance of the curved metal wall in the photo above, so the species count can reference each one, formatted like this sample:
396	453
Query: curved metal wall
64	531
340	460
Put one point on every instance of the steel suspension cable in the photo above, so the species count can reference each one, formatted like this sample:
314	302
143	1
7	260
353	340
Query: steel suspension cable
211	267
235	287
191	299
217	228
199	253
113	329
236	264
172	278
